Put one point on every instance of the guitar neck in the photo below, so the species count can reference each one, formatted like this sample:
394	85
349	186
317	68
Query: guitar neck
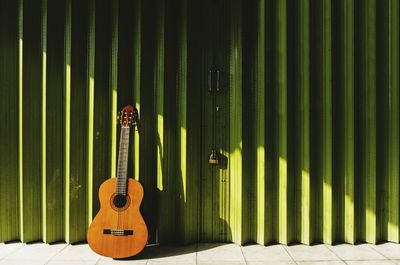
122	168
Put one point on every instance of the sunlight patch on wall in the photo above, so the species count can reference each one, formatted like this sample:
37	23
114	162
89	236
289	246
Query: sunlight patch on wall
260	193
90	147
282	200
20	124
305	206
235	193
160	135
66	147
393	231
183	161
349	213
113	131
327	212
44	208
370	223
136	153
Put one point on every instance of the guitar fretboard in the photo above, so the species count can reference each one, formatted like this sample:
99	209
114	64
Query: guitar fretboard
122	168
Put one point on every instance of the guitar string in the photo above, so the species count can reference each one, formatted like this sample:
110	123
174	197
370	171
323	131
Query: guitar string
119	175
126	182
124	179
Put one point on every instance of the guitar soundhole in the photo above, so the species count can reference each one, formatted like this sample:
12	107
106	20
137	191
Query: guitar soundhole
119	202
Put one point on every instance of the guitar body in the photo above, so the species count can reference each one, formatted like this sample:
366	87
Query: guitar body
104	234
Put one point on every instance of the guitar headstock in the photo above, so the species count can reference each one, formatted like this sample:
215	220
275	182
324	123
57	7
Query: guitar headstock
129	116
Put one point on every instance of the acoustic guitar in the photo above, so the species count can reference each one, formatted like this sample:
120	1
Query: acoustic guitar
118	230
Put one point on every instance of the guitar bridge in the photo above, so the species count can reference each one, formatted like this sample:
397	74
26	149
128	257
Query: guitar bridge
118	232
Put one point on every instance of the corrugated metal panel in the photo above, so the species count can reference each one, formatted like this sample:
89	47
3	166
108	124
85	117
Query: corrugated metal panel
307	125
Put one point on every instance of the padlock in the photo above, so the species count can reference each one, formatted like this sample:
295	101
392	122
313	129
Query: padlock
213	159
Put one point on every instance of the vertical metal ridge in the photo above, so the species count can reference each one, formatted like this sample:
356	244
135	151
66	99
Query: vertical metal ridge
235	123
326	83
348	88
202	58
173	190
271	190
9	119
369	59
262	236
102	102
250	69
90	106
55	99
382	123
164	224
43	125
136	86
32	120
347	83
114	88
67	54
393	156
159	92
193	228
280	112
181	126
303	75
79	121
148	148
126	57
20	116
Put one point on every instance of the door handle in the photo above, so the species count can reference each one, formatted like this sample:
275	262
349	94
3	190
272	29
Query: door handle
217	82
214	80
210	81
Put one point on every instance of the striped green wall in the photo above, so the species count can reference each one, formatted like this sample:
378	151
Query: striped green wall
307	126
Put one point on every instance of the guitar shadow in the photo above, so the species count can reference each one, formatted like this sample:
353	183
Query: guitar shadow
176	252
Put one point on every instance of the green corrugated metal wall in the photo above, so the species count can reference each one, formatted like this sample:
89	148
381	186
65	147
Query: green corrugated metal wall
307	125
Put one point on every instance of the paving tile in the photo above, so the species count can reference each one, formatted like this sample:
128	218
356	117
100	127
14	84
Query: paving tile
71	262
356	252
274	262
80	252
9	248
311	253
151	262
389	250
36	252
265	253
326	262
109	261
369	262
219	253
221	263
22	262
